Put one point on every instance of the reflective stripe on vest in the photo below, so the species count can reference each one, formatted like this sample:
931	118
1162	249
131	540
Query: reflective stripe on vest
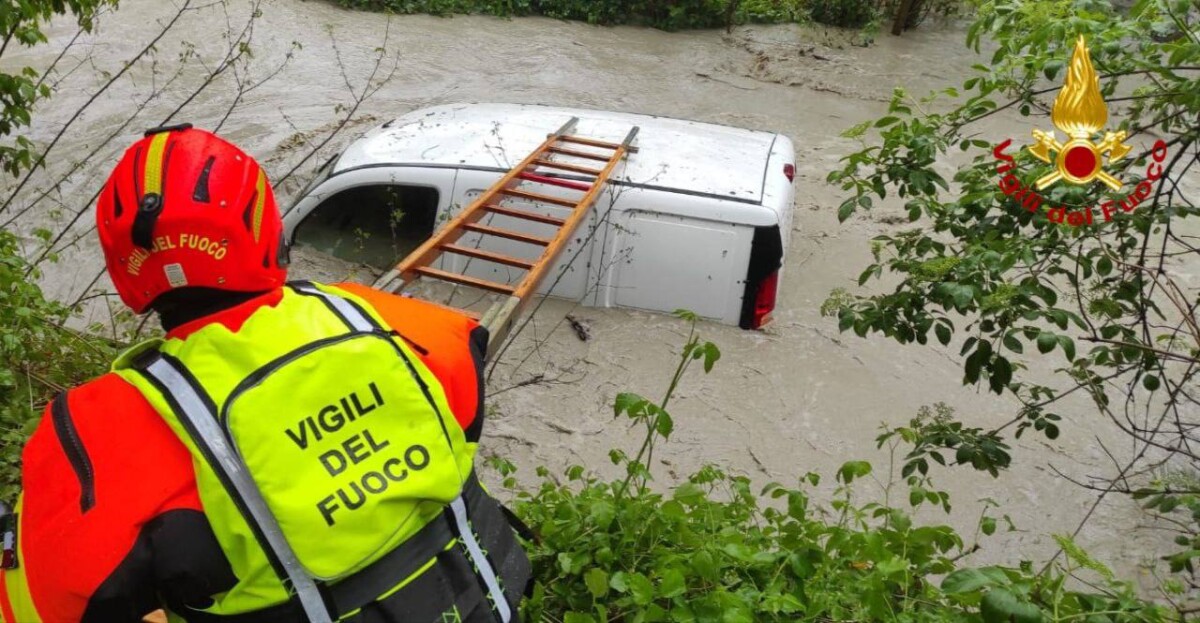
320	603
499	603
201	419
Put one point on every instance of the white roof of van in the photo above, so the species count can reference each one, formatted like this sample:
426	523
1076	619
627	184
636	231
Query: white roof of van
673	154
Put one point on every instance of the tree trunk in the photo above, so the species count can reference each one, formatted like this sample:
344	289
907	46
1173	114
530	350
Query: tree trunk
901	18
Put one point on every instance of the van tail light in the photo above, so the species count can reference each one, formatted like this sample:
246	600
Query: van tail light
764	301
762	278
789	171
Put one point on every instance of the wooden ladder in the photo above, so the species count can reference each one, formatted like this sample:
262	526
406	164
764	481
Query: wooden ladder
498	319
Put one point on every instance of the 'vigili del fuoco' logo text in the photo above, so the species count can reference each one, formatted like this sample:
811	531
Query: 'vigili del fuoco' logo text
1080	113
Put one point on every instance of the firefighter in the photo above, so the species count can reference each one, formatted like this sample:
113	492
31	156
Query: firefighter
286	452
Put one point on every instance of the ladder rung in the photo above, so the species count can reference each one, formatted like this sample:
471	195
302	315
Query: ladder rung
464	280
524	194
574	168
578	154
489	256
506	233
529	216
555	181
589	141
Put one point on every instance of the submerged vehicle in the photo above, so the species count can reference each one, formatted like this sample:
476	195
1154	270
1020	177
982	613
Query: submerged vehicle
698	218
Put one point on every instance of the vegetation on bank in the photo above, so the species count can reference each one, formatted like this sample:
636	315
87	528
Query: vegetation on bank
1040	310
39	357
718	549
674	14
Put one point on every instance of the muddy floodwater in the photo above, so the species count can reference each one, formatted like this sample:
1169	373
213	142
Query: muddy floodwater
794	398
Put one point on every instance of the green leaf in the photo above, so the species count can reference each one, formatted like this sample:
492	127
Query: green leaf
971	580
1068	346
641	588
627	402
853	469
943	333
663	424
973	366
596	581
672	584
963	296
1051	68
711	355
846	209
1000	605
1001	374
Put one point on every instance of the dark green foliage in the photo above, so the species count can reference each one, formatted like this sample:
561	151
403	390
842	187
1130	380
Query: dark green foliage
675	14
843	13
714	549
21	23
1103	303
664	14
773	11
38	357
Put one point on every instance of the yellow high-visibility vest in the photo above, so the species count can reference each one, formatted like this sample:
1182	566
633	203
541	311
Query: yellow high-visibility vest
328	461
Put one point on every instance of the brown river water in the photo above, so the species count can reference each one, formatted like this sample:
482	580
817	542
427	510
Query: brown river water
797	397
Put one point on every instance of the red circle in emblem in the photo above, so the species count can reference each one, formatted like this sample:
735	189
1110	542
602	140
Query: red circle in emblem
1080	161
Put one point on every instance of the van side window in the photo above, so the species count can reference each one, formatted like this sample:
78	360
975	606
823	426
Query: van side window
375	225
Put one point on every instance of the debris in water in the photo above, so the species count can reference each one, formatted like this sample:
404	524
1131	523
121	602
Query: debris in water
581	330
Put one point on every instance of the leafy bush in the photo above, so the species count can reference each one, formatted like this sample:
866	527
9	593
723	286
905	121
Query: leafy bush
664	14
38	357
1104	302
22	21
712	550
843	13
676	14
773	11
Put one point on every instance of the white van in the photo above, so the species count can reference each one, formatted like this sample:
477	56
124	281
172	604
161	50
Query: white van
698	218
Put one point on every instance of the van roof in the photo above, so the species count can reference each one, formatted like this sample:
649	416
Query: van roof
673	154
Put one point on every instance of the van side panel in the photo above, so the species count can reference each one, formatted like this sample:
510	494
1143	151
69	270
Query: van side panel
667	262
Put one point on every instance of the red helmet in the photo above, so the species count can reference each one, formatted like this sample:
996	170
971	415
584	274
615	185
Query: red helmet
185	208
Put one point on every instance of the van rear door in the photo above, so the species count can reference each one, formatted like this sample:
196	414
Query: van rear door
660	258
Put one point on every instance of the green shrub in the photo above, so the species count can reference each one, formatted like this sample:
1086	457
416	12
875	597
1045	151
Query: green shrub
38	357
664	14
843	13
773	11
712	550
1109	318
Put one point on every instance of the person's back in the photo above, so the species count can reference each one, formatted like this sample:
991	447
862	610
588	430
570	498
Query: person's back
287	453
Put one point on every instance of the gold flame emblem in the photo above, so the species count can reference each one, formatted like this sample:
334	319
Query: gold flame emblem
1079	112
